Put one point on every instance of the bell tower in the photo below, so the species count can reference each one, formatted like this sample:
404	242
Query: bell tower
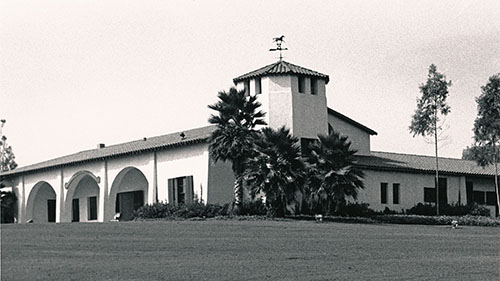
291	96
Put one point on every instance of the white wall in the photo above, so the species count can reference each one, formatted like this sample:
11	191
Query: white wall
360	140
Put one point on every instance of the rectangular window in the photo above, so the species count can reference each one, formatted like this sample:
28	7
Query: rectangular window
181	194
383	193
429	195
92	208
258	86
478	197
491	198
302	84
247	87
314	86
395	193
180	190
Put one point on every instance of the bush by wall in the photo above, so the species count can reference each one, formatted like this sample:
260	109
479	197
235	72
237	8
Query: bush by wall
449	210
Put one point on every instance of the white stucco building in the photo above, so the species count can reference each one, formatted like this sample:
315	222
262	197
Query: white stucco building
96	184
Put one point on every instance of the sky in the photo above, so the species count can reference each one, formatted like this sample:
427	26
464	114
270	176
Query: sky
77	73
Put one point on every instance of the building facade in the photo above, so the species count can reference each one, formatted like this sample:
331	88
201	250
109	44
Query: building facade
96	185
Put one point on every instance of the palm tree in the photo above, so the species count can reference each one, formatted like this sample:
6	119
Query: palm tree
235	133
8	200
276	169
333	176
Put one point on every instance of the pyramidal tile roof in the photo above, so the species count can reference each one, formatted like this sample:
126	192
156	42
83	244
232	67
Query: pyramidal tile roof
388	161
138	146
281	67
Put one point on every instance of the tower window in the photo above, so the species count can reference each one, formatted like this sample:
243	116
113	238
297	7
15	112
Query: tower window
247	87
314	86
258	86
302	84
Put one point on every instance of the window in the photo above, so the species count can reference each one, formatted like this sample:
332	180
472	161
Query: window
478	197
247	87
92	208
383	193
314	86
491	198
429	195
302	84
180	190
258	86
395	193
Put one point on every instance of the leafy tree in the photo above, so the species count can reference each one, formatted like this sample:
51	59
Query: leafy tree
487	127
6	155
333	176
276	169
236	119
430	106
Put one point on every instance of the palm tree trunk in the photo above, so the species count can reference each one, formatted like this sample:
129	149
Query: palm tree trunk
496	175
437	161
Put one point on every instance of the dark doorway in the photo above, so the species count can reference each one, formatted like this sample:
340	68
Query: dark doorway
127	203
51	210
92	215
469	188
76	210
443	194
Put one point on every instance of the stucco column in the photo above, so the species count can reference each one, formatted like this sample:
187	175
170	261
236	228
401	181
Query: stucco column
21	218
462	191
60	198
155	179
103	193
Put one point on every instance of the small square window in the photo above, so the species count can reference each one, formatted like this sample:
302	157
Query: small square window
478	197
491	198
429	195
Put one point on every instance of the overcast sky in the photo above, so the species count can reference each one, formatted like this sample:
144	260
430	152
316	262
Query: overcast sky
77	73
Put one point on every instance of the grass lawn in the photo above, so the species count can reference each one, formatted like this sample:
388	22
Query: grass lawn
248	250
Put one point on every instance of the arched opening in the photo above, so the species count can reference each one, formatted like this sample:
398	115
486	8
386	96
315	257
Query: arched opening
129	191
41	204
82	198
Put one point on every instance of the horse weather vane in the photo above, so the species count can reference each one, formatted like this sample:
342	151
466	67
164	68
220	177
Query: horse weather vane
279	41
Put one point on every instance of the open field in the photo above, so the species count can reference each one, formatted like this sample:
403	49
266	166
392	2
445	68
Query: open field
248	250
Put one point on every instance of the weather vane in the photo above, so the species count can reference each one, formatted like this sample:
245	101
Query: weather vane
279	41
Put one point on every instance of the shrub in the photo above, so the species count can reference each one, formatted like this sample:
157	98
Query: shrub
422	210
356	210
253	208
195	209
449	210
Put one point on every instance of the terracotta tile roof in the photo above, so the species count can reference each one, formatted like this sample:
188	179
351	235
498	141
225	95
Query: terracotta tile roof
149	144
419	163
281	67
350	121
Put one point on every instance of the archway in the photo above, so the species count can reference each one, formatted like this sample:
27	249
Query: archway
82	198
41	204
129	191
